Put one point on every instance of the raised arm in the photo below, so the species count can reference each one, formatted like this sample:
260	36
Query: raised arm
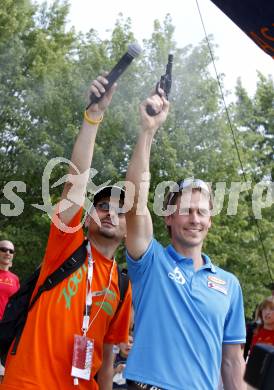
75	187
138	219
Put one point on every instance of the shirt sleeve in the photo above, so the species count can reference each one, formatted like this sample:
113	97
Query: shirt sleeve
137	268
119	327
235	329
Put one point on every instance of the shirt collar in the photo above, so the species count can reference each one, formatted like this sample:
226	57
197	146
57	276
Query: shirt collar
178	257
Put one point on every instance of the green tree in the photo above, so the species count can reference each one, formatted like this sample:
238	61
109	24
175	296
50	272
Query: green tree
253	118
35	75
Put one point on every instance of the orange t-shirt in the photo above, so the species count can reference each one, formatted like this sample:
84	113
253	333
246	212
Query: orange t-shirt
44	355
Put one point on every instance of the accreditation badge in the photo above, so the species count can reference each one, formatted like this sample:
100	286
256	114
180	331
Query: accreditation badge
82	358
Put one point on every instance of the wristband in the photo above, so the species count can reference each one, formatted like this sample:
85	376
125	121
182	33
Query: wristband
92	121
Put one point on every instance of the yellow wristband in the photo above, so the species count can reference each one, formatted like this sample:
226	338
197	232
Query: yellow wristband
91	121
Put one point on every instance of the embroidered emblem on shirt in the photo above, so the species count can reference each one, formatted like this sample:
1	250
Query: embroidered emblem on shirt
177	276
214	279
217	287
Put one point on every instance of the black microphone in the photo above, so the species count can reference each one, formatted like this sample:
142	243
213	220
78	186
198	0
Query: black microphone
133	51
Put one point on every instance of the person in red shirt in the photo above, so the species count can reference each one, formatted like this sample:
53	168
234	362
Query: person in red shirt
9	282
264	334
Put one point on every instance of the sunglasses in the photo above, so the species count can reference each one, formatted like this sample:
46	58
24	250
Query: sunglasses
106	206
6	250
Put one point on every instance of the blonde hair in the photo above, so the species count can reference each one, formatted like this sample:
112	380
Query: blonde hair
269	301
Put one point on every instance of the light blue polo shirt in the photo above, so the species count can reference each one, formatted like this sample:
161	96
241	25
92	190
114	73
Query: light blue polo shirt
182	318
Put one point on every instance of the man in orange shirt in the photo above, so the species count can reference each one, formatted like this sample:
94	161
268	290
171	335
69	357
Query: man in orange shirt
78	318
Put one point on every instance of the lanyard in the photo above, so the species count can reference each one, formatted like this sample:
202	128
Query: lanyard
86	319
88	303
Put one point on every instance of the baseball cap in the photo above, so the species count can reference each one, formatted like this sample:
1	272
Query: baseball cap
108	191
184	184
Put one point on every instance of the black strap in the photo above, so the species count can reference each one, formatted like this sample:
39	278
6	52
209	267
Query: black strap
69	266
123	282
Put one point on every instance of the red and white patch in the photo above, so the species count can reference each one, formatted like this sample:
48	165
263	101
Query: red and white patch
217	287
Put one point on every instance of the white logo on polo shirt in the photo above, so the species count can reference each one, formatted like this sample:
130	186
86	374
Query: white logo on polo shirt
177	276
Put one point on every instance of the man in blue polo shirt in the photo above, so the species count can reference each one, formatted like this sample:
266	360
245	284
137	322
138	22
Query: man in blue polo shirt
189	317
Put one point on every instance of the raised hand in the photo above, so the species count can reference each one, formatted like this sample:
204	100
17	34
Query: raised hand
98	88
160	105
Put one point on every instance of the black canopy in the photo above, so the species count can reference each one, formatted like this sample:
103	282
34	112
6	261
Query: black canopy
254	17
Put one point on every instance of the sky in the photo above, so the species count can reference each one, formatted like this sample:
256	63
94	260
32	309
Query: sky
238	55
